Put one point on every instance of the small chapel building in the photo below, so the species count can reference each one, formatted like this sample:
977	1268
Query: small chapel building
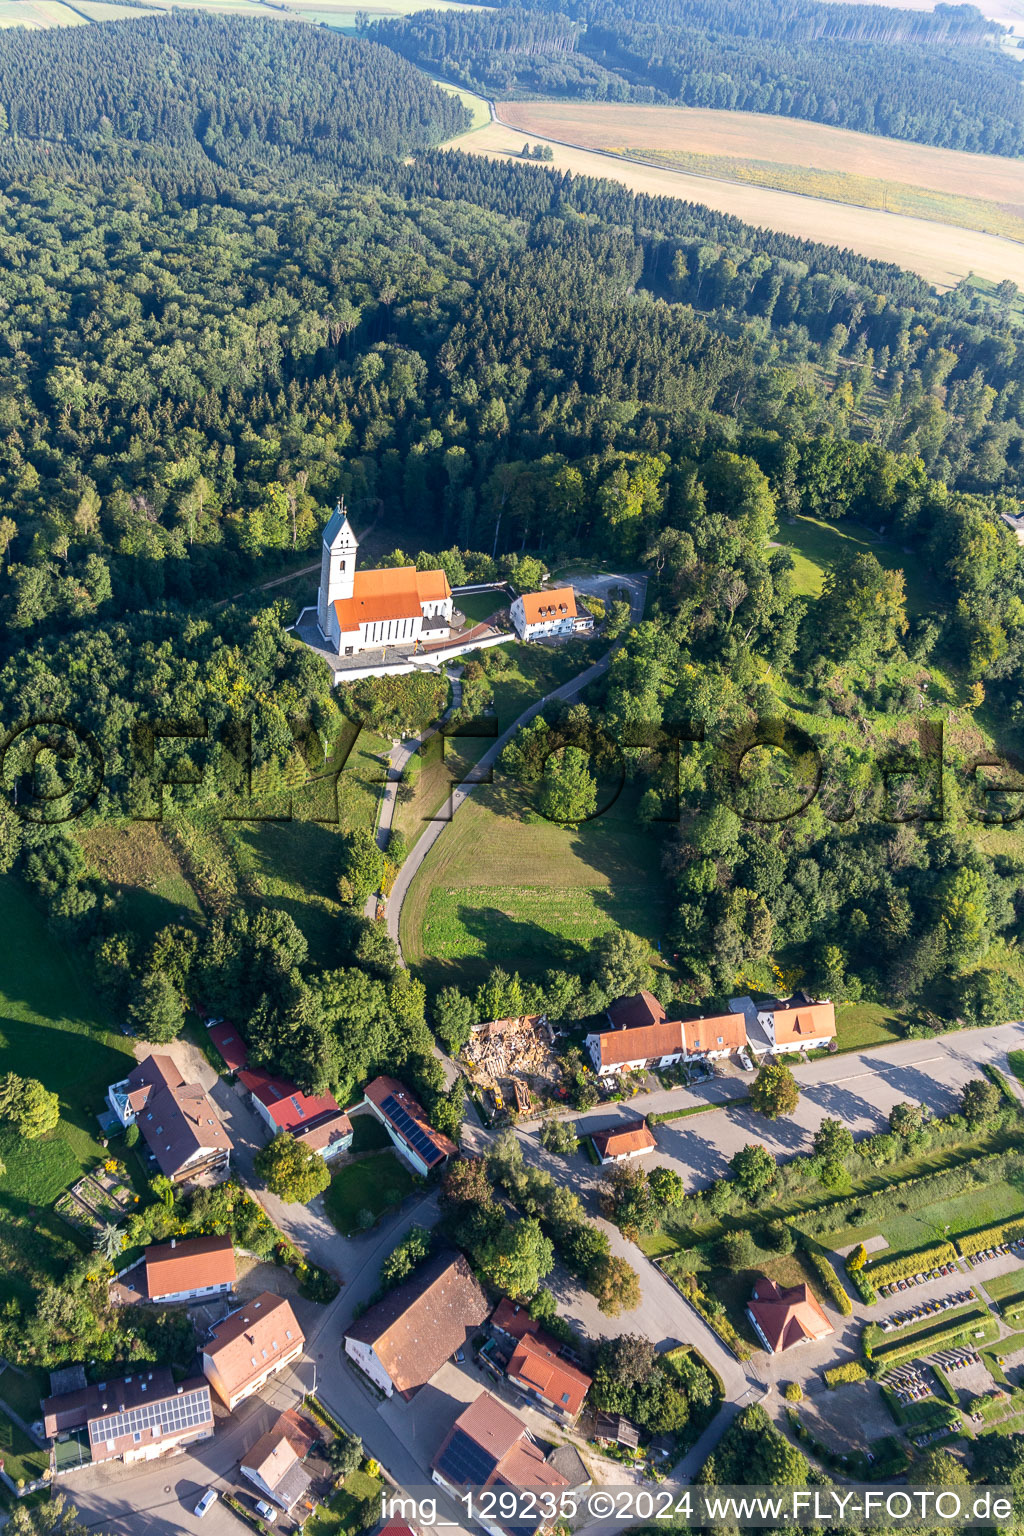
364	610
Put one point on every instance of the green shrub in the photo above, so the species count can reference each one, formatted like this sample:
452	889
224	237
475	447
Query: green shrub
825	1271
924	1259
841	1375
862	1285
793	1392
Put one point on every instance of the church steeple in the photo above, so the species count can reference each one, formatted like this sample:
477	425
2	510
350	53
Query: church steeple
337	563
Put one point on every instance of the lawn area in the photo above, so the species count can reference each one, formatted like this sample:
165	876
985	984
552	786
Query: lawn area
1006	1289
22	1460
813	544
498	888
859	1025
22	1391
478	606
355	1507
51	1027
361	1192
368	1135
943	1219
431	776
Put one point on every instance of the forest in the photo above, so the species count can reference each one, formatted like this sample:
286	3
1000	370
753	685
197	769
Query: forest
489	361
932	77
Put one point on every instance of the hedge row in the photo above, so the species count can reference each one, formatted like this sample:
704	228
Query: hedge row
862	1285
910	1264
831	1282
873	1205
990	1237
839	1375
927	1342
316	1409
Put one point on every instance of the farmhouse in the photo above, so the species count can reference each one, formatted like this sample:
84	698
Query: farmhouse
539	1367
538	615
178	1122
274	1463
642	1036
363	610
183	1270
402	1341
487	1447
139	1418
318	1122
407	1125
782	1318
633	1138
251	1345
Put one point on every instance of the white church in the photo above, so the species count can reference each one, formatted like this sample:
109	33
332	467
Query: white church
366	610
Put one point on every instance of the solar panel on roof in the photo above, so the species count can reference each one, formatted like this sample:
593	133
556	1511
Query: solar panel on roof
463	1461
414	1134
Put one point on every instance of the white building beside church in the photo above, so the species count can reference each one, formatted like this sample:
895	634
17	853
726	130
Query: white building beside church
365	610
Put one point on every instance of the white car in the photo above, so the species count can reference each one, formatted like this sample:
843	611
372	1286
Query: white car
208	1499
266	1511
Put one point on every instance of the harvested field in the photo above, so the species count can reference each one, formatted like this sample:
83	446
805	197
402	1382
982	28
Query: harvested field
941	254
779	140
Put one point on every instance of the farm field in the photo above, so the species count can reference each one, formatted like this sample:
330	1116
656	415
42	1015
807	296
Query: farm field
784	141
500	889
38	14
939	253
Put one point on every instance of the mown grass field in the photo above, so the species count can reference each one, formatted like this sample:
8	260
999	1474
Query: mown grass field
372	1185
499	888
942	1220
813	543
859	1025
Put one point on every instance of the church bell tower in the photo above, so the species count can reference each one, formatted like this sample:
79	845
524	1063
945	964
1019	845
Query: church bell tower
337	563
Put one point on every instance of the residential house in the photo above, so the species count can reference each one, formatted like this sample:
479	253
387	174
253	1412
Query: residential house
798	1024
249	1346
489	1447
539	1367
139	1418
405	1339
318	1122
274	1463
184	1269
177	1121
642	1037
631	1138
538	615
782	1318
406	1123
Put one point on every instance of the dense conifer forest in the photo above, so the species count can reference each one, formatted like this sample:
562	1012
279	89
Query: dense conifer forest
934	77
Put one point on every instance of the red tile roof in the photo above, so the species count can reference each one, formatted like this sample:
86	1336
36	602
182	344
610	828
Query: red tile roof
636	1011
636	1136
723	1031
384	1088
419	1325
245	1344
513	1319
544	607
813	1021
230	1045
398	593
287	1105
516	1461
537	1363
788	1317
189	1265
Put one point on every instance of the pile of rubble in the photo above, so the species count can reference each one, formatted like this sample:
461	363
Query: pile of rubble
507	1046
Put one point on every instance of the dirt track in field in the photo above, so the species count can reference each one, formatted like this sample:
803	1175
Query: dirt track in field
941	253
781	140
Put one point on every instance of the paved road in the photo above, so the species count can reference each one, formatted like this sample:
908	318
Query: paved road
637	589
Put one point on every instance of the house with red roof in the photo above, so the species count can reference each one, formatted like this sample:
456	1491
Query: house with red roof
643	1036
784	1317
230	1045
405	1121
540	1368
317	1121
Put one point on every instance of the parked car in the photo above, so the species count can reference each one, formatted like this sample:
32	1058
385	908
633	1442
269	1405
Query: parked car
266	1511
206	1503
